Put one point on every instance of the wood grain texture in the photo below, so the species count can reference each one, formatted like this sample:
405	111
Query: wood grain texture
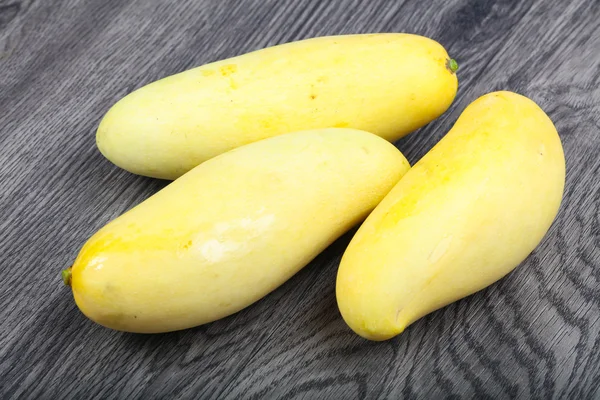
534	334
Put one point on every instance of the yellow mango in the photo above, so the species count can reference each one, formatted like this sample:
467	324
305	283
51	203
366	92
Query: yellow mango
231	230
387	84
463	217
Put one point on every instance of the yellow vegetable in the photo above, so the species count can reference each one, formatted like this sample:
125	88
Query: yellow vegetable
463	217
387	84
231	230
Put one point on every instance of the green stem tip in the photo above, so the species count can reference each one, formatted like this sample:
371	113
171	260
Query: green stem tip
452	65
66	276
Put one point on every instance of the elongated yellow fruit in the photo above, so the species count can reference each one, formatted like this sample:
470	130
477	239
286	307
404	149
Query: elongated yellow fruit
387	84
463	217
231	230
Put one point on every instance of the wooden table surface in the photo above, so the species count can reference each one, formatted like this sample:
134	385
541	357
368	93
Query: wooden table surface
534	334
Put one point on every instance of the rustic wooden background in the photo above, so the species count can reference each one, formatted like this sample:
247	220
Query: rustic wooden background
535	334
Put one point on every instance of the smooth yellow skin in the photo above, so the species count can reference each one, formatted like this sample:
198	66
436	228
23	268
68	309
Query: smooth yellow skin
464	216
387	84
231	230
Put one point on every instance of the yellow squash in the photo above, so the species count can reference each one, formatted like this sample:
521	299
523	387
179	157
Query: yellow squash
463	217
387	84
231	230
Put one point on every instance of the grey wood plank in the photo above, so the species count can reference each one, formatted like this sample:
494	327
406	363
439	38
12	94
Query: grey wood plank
535	334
